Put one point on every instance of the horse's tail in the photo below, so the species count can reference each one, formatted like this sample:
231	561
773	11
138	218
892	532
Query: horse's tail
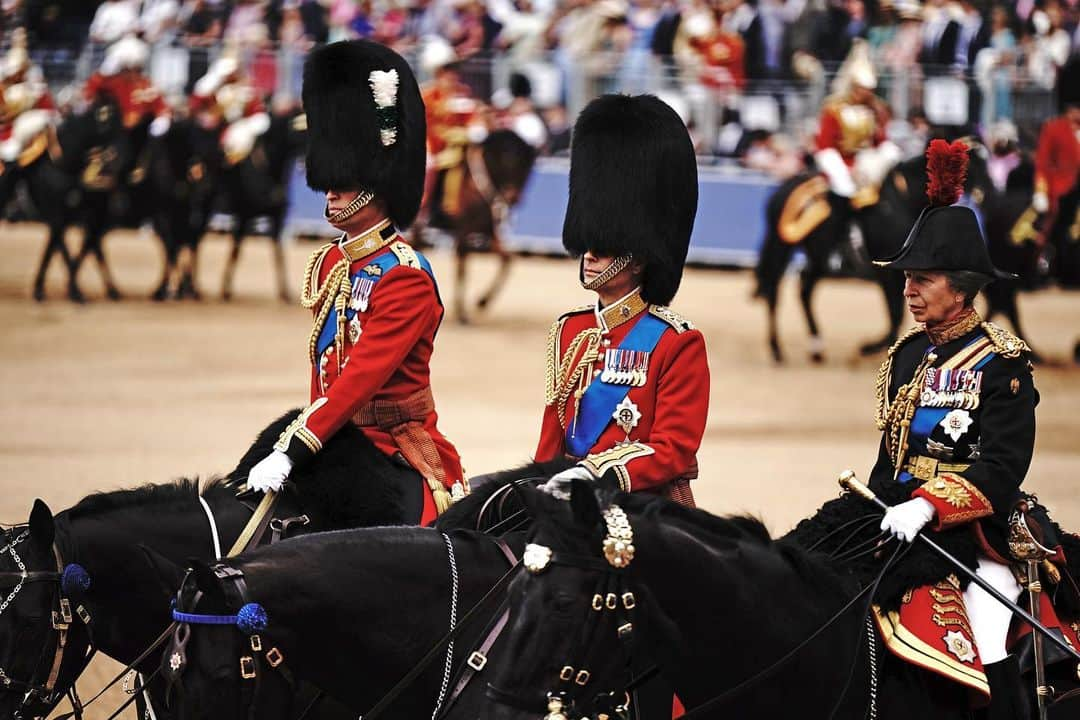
775	254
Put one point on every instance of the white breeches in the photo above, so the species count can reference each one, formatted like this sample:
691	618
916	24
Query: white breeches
990	619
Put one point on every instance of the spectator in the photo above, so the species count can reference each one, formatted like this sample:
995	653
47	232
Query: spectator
589	39
994	68
1050	47
941	31
246	15
200	29
113	20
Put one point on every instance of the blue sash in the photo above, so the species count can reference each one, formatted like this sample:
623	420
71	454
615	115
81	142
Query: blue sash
385	262
926	419
601	398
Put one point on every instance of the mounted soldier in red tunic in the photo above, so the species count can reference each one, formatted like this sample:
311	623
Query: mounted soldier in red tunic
375	300
627	387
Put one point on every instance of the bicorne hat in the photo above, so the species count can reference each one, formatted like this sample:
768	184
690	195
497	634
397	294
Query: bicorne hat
945	236
633	188
366	126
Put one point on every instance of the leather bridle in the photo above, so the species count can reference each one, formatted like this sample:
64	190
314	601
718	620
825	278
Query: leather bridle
612	603
40	696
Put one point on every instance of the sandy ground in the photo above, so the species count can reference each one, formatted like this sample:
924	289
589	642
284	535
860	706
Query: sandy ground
109	395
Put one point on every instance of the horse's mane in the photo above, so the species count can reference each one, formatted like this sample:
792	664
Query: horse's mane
182	490
463	513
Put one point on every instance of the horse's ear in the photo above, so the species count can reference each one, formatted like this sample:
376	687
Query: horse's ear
168	574
42	526
584	504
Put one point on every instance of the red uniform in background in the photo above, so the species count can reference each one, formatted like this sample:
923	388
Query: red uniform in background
132	91
1057	159
659	453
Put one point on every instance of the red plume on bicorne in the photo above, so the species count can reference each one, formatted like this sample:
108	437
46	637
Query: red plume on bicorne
946	170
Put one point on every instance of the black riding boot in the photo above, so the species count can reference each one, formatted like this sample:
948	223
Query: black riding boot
1008	696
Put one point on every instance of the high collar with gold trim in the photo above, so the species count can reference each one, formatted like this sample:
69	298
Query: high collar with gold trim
954	329
621	311
374	238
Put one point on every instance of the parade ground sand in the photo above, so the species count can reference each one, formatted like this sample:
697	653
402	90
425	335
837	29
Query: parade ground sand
112	395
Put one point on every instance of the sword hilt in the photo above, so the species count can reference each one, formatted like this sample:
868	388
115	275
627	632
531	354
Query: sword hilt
850	483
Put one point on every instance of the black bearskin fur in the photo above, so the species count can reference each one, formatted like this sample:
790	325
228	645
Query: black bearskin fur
350	481
633	188
344	146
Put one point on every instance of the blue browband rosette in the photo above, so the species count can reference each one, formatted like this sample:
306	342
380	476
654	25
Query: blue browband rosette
74	581
251	619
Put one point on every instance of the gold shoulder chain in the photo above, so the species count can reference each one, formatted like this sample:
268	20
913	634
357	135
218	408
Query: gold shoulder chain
884	372
1005	343
570	376
333	293
551	380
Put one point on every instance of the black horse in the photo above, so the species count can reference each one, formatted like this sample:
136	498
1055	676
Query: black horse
127	607
258	186
742	625
802	214
481	193
346	605
45	171
181	168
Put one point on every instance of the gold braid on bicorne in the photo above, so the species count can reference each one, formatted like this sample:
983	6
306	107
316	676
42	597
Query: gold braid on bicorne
334	293
564	376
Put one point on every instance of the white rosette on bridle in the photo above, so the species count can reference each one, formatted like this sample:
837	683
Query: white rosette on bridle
384	88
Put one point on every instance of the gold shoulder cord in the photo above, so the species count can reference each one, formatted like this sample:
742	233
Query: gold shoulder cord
895	418
884	372
564	375
333	293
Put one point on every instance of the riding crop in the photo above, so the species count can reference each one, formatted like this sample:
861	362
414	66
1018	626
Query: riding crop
848	481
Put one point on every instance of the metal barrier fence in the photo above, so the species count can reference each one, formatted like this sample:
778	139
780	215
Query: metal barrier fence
789	106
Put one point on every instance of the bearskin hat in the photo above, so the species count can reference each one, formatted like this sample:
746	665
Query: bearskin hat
366	127
1068	84
633	188
945	236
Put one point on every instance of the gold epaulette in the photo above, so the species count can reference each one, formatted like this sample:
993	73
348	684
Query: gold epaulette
1005	343
672	318
577	311
405	254
882	386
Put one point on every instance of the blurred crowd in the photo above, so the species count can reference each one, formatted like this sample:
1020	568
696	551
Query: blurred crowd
745	75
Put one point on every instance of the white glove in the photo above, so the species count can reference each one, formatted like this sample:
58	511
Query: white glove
831	163
908	518
559	485
269	473
159	125
1040	202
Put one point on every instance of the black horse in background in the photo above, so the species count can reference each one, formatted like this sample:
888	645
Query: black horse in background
182	167
44	169
1037	249
126	604
742	625
258	186
472	203
803	214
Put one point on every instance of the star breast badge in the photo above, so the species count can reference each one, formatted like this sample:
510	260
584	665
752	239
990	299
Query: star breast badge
960	646
626	415
956	423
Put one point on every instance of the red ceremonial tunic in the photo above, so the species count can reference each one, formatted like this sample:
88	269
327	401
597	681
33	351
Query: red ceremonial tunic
41	100
849	127
673	402
379	359
1057	159
134	93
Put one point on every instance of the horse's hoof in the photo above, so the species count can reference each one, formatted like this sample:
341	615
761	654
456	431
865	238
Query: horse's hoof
482	303
39	293
161	294
1036	358
75	295
817	357
1076	353
112	293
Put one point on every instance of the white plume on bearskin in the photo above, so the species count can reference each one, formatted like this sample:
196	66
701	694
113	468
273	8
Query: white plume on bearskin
366	125
633	188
